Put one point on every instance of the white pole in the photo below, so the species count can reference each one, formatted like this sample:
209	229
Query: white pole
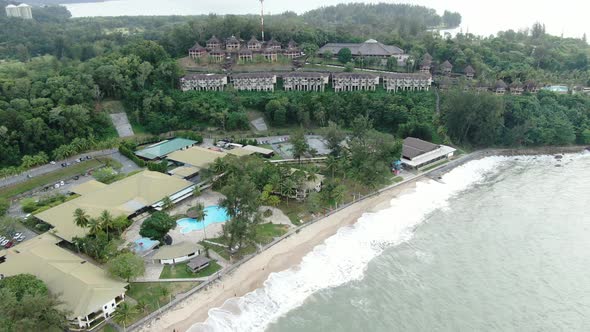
262	18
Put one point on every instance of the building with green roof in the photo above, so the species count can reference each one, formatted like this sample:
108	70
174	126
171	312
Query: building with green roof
162	149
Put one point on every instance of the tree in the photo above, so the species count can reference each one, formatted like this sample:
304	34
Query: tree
300	146
27	305
95	226
124	313
4	206
126	266
199	213
344	55
106	221
105	175
157	226
167	203
81	218
334	137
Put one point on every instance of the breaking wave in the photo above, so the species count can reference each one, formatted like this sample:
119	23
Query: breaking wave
345	256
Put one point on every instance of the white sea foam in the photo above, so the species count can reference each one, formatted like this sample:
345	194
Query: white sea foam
344	257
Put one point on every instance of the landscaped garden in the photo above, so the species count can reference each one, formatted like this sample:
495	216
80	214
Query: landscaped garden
181	271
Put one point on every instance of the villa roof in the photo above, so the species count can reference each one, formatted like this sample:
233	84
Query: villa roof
204	76
354	75
310	74
273	42
469	70
87	187
213	40
447	65
196	156
427	57
253	75
501	85
177	250
292	44
124	197
83	287
233	40
253	40
407	75
197	47
369	47
245	51
414	147
163	148
197	262
217	51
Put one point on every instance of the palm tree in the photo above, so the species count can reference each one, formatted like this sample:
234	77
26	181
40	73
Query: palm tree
197	191
332	165
219	166
81	218
167	203
200	214
141	307
288	189
95	226
123	313
106	220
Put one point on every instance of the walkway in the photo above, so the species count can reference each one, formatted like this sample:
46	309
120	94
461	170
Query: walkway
121	123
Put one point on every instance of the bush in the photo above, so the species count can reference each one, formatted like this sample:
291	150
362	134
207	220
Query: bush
157	226
29	205
267	213
190	135
126	151
105	175
4	206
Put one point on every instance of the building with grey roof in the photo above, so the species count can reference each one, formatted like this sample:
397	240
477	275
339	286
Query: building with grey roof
23	11
370	48
417	153
305	81
354	82
407	81
203	82
254	81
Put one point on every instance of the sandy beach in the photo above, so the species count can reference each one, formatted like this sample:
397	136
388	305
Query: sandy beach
282	256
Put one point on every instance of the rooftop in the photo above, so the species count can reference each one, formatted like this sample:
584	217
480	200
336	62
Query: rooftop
163	148
369	47
196	156
414	147
87	187
123	197
177	250
83	287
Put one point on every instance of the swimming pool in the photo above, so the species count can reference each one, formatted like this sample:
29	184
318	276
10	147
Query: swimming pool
144	244
215	214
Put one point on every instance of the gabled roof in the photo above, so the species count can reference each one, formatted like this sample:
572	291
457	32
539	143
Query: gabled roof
163	148
245	51
421	76
309	74
427	57
217	51
197	47
273	42
253	75
355	75
292	44
177	250
213	40
447	65
501	85
87	187
204	77
123	197
469	70
253	41
414	147
196	156
83	287
233	40
369	47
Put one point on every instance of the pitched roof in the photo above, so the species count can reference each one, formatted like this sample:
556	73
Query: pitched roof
253	75
369	47
163	148
197	47
83	287
213	40
354	75
257	149
177	250
198	262
501	85
204	77
414	147
196	156
469	70
292	44
233	40
427	57
309	74
240	152
447	65
245	51
217	51
273	42
253	40
422	76
123	197
87	187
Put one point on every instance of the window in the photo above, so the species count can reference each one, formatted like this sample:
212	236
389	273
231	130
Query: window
112	305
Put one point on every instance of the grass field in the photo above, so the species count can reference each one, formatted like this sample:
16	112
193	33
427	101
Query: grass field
50	178
181	271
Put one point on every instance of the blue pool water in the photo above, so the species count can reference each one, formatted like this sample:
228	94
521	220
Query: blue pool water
144	244
215	214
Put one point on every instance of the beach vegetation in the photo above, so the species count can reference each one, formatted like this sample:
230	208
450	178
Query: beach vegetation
157	226
126	266
181	271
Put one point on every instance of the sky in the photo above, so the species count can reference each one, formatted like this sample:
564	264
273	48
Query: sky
567	17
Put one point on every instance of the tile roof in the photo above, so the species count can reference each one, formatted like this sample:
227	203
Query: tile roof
414	147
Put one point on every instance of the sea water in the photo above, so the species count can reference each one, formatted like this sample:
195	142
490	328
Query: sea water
498	244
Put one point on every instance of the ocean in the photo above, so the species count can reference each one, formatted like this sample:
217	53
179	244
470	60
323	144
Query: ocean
498	244
569	18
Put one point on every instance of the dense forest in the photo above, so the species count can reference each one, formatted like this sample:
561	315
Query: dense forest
56	70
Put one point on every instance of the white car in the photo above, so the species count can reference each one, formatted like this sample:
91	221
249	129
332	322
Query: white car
17	235
3	243
52	163
61	183
21	239
2	239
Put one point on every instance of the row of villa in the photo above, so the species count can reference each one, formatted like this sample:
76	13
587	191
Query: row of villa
217	51
308	81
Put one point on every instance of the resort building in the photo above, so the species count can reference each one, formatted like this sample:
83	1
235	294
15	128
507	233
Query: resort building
198	263
254	81
128	197
232	44
245	55
482	86
161	149
254	44
203	82
560	89
469	72
292	51
273	44
516	88
23	11
417	153
217	55
184	172
310	184
305	81
196	156
500	87
270	54
197	51
213	43
88	294
266	153
177	253
426	63
354	82
531	87
370	48
407	81
446	68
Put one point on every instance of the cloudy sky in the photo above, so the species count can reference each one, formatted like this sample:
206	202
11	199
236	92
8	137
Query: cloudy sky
569	17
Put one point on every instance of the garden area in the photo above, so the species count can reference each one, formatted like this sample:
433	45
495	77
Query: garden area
181	271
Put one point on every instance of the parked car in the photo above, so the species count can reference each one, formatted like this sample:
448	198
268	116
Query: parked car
17	235
3	243
9	244
88	157
77	177
52	162
2	239
63	165
21	239
61	183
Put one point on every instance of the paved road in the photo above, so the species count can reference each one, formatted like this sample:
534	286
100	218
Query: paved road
41	170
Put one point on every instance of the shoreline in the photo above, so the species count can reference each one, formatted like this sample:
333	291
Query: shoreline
289	252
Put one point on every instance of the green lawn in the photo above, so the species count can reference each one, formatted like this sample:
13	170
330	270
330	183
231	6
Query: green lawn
181	271
266	233
155	295
295	210
110	162
50	178
434	166
113	106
